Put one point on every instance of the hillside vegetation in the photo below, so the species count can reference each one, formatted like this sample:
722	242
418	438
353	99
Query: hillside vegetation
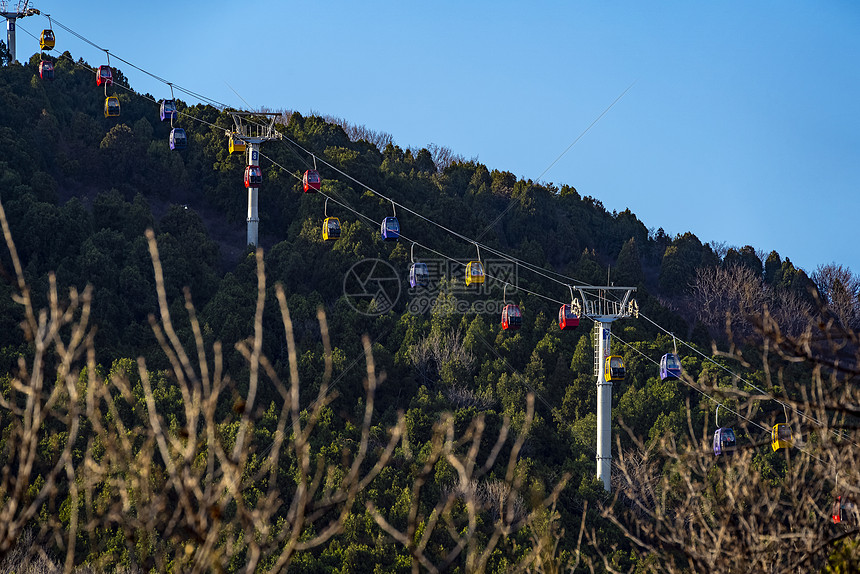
187	402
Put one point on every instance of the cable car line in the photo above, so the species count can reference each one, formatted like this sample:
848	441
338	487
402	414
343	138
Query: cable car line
217	104
529	266
742	379
765	429
201	97
700	391
525	264
533	268
408	239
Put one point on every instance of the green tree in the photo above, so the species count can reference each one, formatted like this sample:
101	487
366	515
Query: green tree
628	266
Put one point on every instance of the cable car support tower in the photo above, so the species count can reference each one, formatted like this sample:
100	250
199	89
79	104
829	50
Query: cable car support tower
603	309
22	9
248	128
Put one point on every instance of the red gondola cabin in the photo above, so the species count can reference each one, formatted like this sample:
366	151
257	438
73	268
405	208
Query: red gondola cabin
104	76
567	318
512	318
253	176
311	181
46	70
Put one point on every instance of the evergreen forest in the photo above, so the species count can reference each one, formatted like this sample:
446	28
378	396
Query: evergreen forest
174	400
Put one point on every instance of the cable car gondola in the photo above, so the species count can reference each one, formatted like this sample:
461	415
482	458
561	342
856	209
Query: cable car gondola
836	512
47	40
670	367
614	370
253	176
568	315
390	227
475	270
237	145
331	226
311	182
104	76
512	317
780	435
567	318
844	512
419	275
725	441
168	111
111	106
46	70
178	139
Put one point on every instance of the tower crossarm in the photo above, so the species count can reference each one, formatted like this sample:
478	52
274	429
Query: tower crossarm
608	303
254	127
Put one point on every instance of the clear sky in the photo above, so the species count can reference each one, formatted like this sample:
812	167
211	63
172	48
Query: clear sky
742	124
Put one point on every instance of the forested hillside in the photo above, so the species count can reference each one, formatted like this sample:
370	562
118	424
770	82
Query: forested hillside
435	375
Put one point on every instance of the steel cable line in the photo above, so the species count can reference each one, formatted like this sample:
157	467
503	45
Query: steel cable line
769	396
525	264
126	88
698	390
417	243
535	269
507	364
765	429
215	103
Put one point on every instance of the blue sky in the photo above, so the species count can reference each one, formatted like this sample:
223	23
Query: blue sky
742	124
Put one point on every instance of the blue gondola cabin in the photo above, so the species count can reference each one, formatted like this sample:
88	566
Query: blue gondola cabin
780	436
512	317
614	370
725	441
419	275
168	111
390	229
104	76
567	318
331	229
178	139
253	176
474	272
311	181
46	70
111	107
47	40
670	367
